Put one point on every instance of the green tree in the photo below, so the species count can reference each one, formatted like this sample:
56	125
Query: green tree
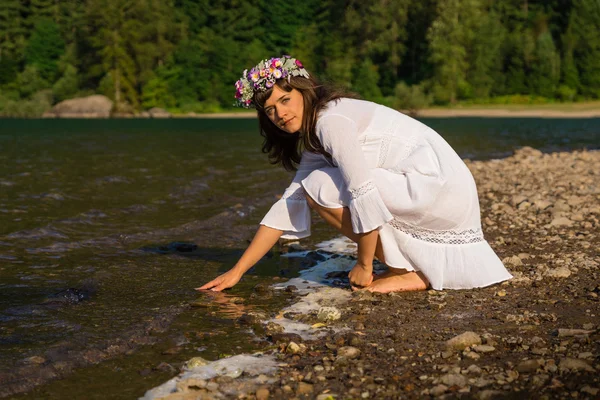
44	48
12	29
545	71
449	36
114	30
569	73
586	27
485	73
366	80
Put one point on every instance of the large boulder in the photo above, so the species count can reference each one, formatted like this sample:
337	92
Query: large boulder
96	106
156	112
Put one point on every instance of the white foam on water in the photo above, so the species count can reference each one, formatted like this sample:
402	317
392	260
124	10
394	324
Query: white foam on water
251	365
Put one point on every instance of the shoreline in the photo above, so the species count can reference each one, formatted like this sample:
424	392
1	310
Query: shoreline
482	112
535	334
571	110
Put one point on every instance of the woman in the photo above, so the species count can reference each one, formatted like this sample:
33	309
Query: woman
383	179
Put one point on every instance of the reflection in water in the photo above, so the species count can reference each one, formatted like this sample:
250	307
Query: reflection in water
222	304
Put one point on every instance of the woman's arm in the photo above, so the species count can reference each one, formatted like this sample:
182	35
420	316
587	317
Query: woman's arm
263	241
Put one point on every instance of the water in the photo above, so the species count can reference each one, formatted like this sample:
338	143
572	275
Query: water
90	211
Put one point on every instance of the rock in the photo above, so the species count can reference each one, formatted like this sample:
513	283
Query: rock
293	348
518	199
529	366
542	204
483	348
590	390
272	328
285	337
262	394
96	106
471	354
513	260
560	272
196	362
463	341
474	369
348	352
326	396
438	390
585	354
561	221
573	332
574	364
156	112
328	314
454	380
304	388
35	360
489	394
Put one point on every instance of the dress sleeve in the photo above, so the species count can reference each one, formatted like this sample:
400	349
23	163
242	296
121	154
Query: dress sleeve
339	137
291	213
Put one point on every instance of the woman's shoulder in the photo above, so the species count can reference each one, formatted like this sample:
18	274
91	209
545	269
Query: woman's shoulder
347	107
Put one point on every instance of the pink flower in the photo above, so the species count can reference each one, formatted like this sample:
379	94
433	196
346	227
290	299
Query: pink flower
277	74
299	64
276	63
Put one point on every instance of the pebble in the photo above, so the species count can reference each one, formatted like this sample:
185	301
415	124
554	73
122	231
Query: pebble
561	221
326	396
560	272
528	366
463	341
328	314
590	390
348	352
573	332
483	348
575	364
438	390
293	348
196	362
474	369
35	360
454	380
262	394
471	354
304	388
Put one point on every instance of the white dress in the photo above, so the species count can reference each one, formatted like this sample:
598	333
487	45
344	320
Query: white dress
399	176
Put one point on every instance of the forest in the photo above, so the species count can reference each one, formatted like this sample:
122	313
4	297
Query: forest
185	55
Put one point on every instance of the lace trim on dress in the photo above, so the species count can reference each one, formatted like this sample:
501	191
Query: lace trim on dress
442	237
297	195
361	191
383	150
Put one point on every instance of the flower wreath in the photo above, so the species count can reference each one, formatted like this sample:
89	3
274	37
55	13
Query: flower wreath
263	76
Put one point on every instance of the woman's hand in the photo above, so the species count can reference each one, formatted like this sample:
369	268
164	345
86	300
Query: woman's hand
361	276
225	281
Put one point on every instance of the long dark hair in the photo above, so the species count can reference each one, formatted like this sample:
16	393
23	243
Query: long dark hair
284	148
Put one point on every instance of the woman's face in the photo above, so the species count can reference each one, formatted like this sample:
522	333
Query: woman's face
285	109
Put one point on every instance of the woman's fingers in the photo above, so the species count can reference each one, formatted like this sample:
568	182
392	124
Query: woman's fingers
210	284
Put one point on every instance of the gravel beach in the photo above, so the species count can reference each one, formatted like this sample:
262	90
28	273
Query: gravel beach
535	336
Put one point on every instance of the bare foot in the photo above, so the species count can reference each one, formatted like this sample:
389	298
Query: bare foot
398	280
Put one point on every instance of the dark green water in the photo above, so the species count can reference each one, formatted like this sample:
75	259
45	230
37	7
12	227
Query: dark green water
94	204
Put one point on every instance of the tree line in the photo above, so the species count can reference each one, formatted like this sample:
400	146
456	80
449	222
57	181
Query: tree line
185	55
